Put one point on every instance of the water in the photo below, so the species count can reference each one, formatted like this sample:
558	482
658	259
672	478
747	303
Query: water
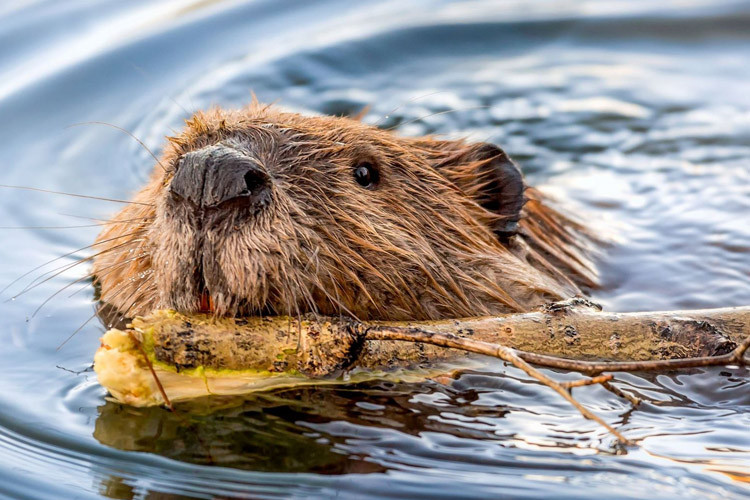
636	114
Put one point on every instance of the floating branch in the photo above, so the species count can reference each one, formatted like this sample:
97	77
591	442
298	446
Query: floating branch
168	357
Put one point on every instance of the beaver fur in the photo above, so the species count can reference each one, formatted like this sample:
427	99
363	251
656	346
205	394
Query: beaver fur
443	232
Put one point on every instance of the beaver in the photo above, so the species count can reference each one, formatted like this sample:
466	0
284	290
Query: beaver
259	211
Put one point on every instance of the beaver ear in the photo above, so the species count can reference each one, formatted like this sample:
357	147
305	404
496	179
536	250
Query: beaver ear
484	172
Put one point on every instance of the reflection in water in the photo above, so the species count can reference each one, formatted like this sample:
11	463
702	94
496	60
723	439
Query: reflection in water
261	434
471	424
117	487
635	114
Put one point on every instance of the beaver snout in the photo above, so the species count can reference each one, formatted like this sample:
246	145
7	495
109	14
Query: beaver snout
221	174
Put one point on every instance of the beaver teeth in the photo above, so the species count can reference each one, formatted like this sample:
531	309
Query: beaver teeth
206	303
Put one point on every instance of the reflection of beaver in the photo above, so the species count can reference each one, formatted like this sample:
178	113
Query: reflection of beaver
264	212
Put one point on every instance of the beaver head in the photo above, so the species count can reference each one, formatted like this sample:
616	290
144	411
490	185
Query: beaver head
259	211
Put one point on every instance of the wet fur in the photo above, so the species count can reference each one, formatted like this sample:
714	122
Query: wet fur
418	246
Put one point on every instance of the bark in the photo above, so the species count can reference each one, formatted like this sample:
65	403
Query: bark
169	357
199	355
581	331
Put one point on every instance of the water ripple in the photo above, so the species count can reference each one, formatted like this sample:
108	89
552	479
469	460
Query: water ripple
634	114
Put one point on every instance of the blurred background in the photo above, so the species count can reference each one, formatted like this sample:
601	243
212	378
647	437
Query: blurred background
634	114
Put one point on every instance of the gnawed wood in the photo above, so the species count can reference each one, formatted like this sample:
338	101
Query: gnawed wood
199	355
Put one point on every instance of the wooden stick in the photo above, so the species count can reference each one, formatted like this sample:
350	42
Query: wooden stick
585	335
150	365
601	379
498	351
519	360
194	356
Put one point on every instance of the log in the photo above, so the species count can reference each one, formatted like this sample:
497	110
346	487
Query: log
167	357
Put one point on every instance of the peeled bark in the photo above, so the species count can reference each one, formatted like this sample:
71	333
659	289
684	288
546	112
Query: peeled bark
198	355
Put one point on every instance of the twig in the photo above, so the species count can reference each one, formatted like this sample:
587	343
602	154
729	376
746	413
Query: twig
601	379
498	351
521	360
624	395
596	367
163	393
738	355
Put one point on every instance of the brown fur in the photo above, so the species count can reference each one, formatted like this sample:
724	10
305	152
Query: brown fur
418	246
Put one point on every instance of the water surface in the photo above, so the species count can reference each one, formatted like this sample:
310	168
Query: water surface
636	115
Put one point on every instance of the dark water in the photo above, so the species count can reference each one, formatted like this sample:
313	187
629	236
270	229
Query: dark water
636	114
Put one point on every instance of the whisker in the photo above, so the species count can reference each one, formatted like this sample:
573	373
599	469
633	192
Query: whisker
68	255
82	260
307	297
54	227
436	114
88	320
75	195
89	275
317	284
105	222
119	289
113	221
385	117
77	330
68	267
110	269
58	292
146	74
336	300
125	131
84	287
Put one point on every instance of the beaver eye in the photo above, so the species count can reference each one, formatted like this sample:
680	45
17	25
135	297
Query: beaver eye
366	175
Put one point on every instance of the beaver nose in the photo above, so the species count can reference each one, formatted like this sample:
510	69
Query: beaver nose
218	174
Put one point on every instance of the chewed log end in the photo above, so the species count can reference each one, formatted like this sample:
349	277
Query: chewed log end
700	337
327	348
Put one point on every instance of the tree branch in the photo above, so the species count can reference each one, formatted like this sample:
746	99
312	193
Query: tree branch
193	356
